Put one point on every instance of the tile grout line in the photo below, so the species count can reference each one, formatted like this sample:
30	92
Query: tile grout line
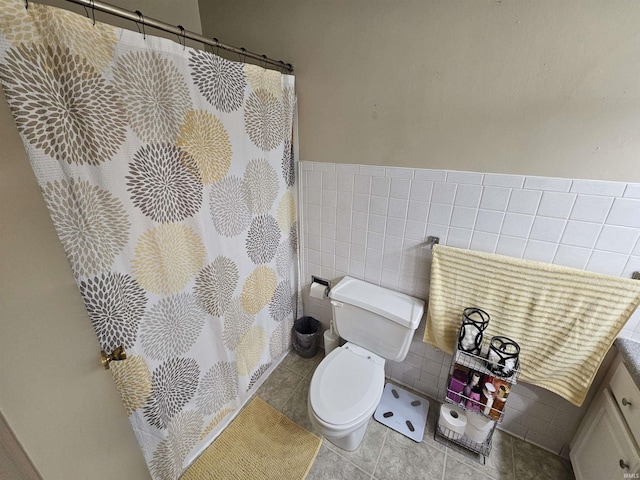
384	441
513	459
345	459
293	390
444	467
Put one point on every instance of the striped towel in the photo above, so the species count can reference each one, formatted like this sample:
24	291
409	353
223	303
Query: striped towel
564	319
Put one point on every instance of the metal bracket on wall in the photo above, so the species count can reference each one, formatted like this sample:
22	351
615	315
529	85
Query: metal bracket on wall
117	355
635	275
431	241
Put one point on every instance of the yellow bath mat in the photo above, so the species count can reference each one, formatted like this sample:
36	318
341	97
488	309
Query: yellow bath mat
260	444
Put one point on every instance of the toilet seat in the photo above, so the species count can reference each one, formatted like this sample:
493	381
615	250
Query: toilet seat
347	386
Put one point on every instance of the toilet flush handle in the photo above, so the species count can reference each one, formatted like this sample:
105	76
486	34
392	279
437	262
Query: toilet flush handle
337	304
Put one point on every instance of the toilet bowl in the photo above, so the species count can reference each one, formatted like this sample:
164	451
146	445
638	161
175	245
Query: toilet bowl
345	391
347	386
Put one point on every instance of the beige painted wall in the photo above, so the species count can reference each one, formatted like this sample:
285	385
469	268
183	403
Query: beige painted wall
549	88
55	395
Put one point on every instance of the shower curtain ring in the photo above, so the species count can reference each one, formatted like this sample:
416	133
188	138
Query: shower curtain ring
264	62
217	45
93	11
243	55
26	4
184	40
141	19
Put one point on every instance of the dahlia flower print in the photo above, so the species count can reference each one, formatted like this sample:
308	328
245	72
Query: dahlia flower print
262	239
183	433
161	184
260	78
288	166
207	142
57	27
280	340
220	81
16	26
174	383
215	285
284	258
258	374
236	323
214	423
293	236
263	119
249	351
282	302
218	387
167	257
114	302
258	289
171	327
93	41
62	105
91	223
286	213
288	107
156	97
260	186
133	380
229	210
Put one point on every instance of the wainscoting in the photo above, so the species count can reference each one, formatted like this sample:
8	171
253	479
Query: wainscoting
371	223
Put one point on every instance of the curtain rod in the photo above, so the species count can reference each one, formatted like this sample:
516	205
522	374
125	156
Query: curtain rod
178	30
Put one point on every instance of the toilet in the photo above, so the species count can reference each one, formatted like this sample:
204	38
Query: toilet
378	325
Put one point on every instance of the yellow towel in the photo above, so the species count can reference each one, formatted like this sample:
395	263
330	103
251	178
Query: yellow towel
564	319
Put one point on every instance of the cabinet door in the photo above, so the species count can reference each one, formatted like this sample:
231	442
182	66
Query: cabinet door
605	449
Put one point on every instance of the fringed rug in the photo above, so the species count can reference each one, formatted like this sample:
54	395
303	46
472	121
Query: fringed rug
260	444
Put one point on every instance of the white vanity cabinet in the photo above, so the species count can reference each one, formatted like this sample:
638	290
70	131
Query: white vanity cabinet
606	443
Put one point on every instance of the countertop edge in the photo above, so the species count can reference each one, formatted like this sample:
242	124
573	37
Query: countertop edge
630	351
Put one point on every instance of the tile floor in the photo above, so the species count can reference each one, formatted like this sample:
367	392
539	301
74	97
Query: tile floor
387	455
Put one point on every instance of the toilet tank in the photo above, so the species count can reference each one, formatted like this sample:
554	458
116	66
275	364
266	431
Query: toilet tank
381	320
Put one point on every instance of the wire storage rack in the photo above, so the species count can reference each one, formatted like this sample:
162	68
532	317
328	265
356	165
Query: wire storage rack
467	362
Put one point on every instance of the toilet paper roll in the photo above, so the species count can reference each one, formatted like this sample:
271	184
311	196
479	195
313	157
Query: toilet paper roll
330	341
478	428
453	419
317	290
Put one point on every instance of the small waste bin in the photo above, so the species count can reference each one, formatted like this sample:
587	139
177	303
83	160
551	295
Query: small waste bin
305	336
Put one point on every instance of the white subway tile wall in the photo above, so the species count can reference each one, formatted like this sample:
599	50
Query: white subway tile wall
371	223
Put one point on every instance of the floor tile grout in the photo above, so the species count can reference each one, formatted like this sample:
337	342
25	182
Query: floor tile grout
335	450
461	464
384	440
513	459
293	390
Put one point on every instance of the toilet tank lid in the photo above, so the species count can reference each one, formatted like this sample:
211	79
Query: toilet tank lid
395	306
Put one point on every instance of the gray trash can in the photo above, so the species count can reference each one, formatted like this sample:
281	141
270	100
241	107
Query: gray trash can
305	336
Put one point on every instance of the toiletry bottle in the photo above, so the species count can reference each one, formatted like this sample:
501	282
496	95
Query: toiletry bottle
474	399
474	379
487	393
498	404
498	382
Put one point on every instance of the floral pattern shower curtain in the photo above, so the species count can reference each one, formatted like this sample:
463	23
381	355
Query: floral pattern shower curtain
168	174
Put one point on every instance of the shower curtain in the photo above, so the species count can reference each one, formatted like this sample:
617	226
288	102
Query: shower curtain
169	177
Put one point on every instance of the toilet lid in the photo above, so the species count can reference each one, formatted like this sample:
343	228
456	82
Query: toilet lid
346	386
